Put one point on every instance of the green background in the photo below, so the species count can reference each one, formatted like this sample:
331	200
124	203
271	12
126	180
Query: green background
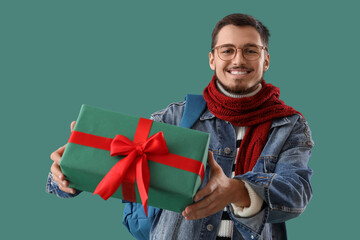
136	57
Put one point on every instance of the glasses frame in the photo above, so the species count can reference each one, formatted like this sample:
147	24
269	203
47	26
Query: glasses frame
236	50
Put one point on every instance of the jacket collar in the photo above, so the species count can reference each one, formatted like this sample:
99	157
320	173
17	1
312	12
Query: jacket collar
277	122
207	115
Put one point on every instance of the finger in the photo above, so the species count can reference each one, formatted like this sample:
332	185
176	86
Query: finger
200	213
203	208
72	125
57	173
203	203
211	160
56	155
67	189
60	182
208	189
59	178
204	212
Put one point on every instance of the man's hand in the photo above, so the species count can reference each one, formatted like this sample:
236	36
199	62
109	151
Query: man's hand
218	192
58	176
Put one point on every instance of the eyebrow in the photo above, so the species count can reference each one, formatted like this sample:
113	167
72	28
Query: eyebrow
227	45
245	45
251	45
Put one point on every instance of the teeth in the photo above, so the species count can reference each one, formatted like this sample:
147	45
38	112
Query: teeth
238	72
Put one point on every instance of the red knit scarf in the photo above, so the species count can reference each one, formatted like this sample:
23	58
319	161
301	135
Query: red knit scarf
256	113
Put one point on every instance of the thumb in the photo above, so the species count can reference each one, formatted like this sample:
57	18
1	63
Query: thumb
72	125
213	164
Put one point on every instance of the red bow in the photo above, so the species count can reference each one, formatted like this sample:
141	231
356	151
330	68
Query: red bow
134	164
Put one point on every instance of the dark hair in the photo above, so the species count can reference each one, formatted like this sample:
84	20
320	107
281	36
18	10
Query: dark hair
239	19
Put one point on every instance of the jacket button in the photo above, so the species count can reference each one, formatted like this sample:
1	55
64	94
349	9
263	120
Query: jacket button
209	227
227	150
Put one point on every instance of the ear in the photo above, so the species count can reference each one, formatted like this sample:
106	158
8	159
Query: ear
267	62
211	61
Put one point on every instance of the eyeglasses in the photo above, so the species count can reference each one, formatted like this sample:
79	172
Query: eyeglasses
251	52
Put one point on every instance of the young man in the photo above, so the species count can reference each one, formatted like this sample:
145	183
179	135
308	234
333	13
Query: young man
259	147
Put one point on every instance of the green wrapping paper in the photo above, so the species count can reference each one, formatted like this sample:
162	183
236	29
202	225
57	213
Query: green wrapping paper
170	188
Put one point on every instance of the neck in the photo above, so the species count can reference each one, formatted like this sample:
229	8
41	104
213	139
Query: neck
236	95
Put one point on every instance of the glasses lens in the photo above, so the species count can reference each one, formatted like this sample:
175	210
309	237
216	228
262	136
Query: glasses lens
226	52
251	52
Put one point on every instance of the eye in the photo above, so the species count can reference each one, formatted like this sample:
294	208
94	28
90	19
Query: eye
227	50
251	50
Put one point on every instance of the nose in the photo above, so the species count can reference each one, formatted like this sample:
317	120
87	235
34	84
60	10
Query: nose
238	58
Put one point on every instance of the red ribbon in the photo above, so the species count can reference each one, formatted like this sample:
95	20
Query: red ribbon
135	164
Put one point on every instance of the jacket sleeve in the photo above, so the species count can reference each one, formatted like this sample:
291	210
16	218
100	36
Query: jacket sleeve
52	187
282	176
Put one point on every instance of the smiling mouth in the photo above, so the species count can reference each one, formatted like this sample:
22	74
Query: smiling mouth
239	72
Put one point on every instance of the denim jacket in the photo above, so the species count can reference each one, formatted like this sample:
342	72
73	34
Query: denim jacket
281	177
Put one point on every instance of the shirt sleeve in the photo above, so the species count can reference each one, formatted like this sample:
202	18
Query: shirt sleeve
255	204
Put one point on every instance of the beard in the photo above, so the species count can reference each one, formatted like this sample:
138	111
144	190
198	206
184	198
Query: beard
236	90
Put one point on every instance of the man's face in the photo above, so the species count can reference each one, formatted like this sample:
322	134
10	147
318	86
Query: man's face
239	75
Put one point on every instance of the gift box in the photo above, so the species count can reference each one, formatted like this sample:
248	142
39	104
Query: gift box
135	159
